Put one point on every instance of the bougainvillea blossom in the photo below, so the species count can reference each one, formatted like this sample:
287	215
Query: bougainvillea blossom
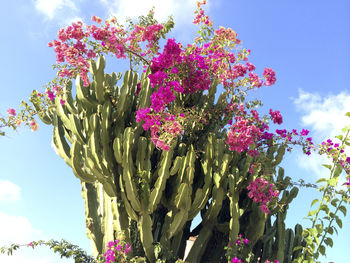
262	192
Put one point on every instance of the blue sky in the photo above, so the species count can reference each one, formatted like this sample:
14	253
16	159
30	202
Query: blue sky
307	43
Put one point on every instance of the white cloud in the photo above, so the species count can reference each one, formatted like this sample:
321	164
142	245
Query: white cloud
26	257
19	230
38	255
182	10
324	117
9	191
51	7
60	10
16	229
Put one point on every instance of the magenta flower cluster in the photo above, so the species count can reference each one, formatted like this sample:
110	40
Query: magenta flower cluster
246	131
167	78
270	77
71	46
51	94
175	71
242	134
236	260
116	251
262	192
276	116
240	240
336	153
11	112
288	136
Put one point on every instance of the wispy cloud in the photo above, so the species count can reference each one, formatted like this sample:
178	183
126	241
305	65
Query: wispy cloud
62	11
182	10
324	117
9	191
16	229
31	257
19	230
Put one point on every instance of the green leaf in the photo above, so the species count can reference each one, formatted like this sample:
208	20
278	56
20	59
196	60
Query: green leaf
321	188
297	248
312	212
334	202
319	228
329	241
340	137
325	209
322	250
313	232
337	172
327	166
321	180
339	222
345	129
329	230
306	232
335	229
314	202
347	114
333	181
343	209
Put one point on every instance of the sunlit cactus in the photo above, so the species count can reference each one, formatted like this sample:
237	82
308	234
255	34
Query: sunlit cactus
152	196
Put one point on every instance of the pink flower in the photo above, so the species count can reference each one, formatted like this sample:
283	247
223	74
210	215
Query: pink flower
11	112
251	169
33	125
138	88
239	70
304	132
348	183
96	19
174	70
91	54
50	95
261	192
110	244
276	116
141	114
242	134
269	75
127	248
250	66
254	80
236	260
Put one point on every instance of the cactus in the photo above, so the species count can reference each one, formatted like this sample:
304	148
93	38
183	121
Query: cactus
127	183
278	242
